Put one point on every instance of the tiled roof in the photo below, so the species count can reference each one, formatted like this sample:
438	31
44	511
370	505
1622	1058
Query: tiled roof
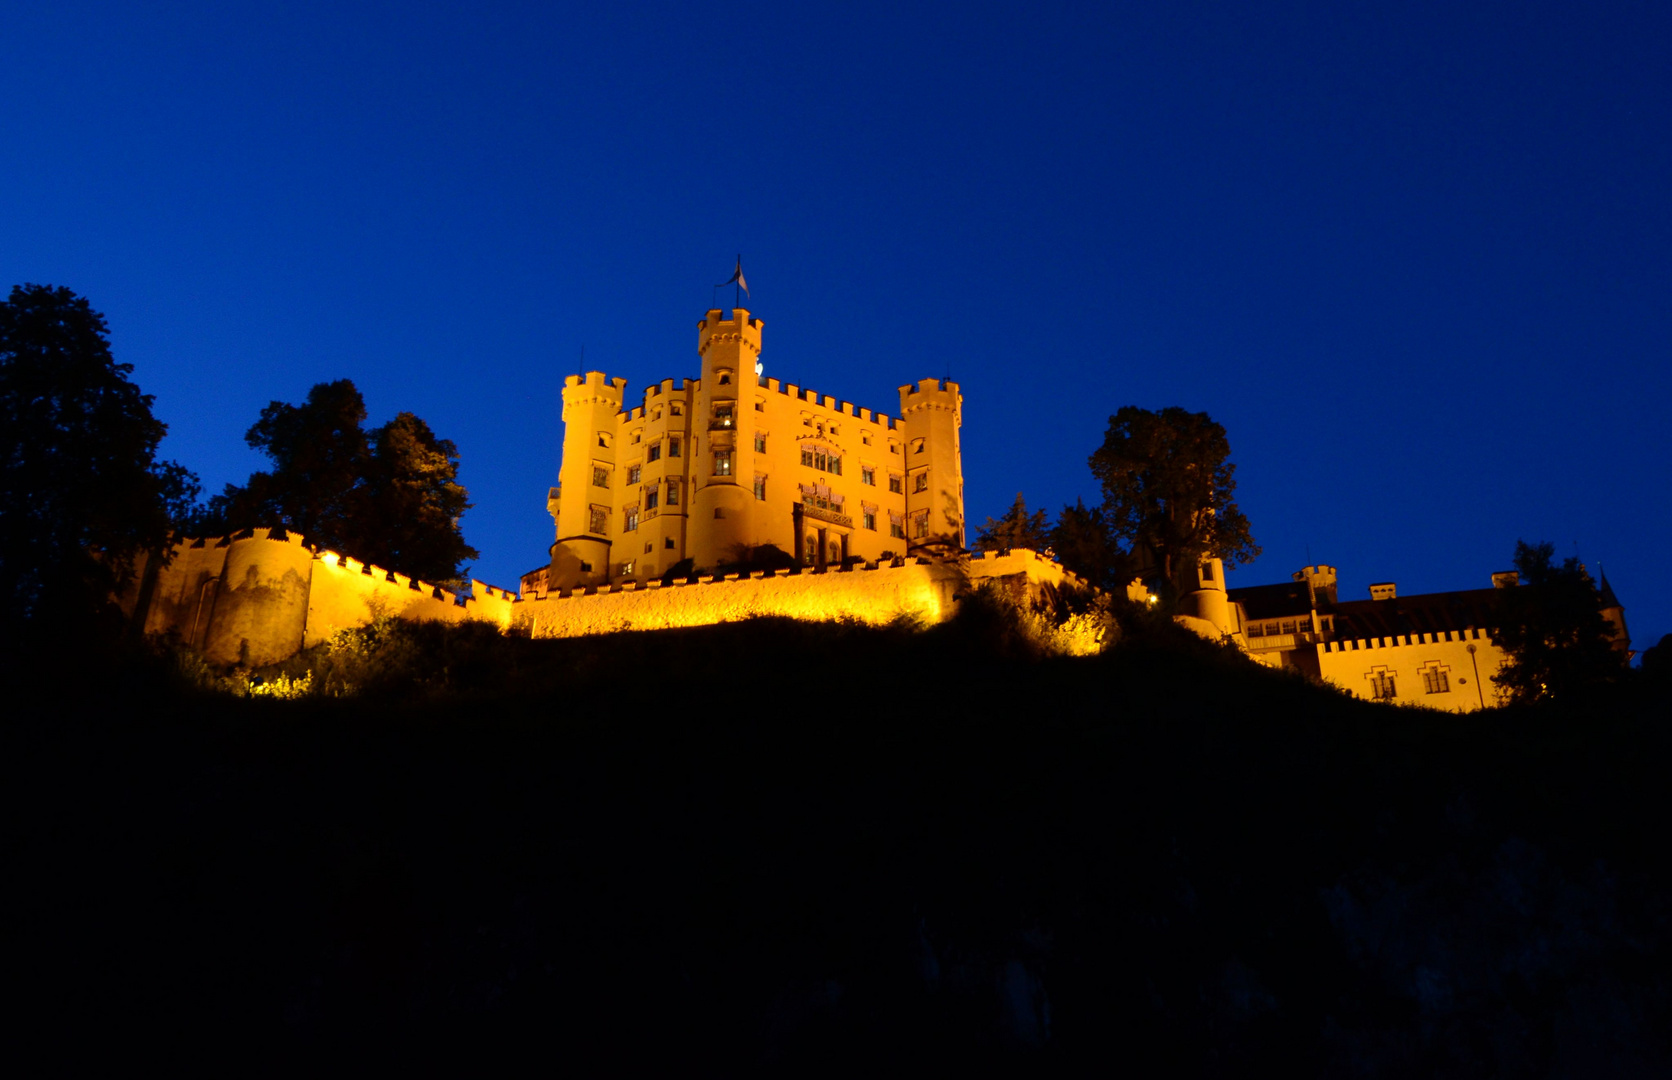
1423	614
1286	598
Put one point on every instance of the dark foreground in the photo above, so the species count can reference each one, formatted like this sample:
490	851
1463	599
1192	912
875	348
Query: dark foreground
803	849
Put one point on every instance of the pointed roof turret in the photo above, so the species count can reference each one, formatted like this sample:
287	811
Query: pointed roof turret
1607	592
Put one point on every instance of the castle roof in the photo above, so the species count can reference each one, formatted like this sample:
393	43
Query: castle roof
1286	598
1607	591
1428	613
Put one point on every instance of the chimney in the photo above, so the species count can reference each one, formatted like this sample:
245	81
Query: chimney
1383	591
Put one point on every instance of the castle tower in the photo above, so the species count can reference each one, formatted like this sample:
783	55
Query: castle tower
1205	596
584	502
722	431
931	411
1320	583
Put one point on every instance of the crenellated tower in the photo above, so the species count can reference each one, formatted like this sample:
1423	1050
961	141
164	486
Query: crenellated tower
583	504
931	412
723	429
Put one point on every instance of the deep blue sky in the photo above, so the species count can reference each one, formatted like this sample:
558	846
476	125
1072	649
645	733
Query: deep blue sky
1417	259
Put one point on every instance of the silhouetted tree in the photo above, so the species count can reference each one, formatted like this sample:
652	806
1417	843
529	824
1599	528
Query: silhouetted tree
82	493
1167	484
1082	543
1555	639
389	496
1016	529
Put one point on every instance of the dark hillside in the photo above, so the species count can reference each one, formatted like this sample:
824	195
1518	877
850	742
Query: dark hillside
806	848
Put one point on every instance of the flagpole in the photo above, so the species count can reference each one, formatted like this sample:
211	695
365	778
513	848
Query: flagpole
737	286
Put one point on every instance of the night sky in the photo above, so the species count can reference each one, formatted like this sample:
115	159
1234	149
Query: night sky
1417	259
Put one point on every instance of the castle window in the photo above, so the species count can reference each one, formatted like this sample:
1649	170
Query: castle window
895	484
865	437
870	520
637	436
667	542
655	453
673	447
657	415
586	568
893	448
867	475
673	492
649	547
632	475
818	457
627	568
809	550
1381	684
920	524
600	522
722	463
604	440
760	406
760	444
650	497
631	519
896	530
600	477
917	446
676	409
725	378
1435	679
1207	571
760	488
920	482
1288	626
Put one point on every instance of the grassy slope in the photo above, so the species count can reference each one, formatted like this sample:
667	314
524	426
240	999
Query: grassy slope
791	845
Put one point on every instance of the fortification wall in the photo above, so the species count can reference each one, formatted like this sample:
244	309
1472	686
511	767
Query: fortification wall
348	593
924	590
1354	664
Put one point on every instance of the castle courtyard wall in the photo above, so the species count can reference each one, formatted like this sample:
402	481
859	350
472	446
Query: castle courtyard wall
1352	664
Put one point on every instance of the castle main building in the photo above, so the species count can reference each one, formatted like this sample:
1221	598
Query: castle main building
715	469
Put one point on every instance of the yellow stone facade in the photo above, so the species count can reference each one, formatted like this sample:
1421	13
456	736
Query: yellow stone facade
715	468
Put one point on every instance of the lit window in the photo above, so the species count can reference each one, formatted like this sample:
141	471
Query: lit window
673	447
627	568
650	497
809	550
632	475
760	488
600	477
655	453
895	485
870	520
631	515
722	463
722	412
673	492
600	522
920	482
867	475
760	444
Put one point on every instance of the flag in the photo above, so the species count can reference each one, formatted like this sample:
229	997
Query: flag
737	276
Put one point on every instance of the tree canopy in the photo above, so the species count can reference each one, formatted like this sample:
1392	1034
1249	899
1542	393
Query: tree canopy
1082	543
1167	484
1555	639
82	493
1016	529
389	496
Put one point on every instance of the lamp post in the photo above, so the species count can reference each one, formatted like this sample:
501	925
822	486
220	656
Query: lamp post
1480	695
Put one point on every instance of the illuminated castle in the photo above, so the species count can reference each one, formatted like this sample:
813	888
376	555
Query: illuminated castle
714	471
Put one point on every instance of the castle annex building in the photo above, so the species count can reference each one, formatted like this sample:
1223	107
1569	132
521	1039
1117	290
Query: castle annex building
715	469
